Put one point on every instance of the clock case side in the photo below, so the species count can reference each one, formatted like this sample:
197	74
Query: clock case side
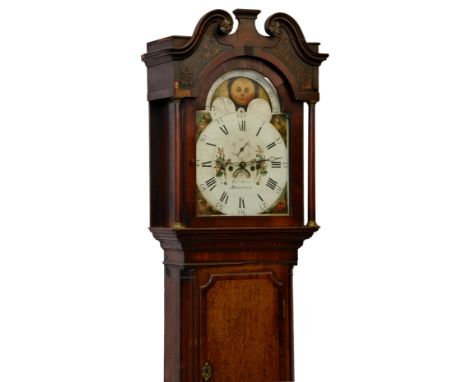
180	71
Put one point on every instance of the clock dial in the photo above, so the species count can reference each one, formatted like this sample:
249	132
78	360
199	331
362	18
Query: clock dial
242	165
242	151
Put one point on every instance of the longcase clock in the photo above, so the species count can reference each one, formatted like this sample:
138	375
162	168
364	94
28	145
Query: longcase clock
227	191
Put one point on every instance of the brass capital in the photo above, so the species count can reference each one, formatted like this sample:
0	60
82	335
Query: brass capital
312	224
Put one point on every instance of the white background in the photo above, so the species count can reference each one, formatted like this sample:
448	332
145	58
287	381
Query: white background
381	291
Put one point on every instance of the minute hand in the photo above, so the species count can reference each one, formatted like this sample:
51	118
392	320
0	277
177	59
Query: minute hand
270	159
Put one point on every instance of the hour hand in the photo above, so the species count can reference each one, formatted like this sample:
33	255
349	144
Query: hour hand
242	149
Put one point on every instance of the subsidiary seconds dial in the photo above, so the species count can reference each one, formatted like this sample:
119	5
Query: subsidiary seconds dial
242	164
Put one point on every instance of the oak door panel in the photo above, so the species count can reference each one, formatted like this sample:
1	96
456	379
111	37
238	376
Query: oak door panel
241	326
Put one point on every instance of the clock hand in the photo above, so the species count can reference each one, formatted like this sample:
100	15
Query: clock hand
254	161
270	159
241	149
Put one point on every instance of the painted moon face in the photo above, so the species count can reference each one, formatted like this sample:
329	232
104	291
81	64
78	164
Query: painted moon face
242	91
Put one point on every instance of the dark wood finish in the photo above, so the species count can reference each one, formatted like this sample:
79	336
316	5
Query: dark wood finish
228	280
178	166
186	60
161	183
311	163
182	69
209	272
242	331
294	109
